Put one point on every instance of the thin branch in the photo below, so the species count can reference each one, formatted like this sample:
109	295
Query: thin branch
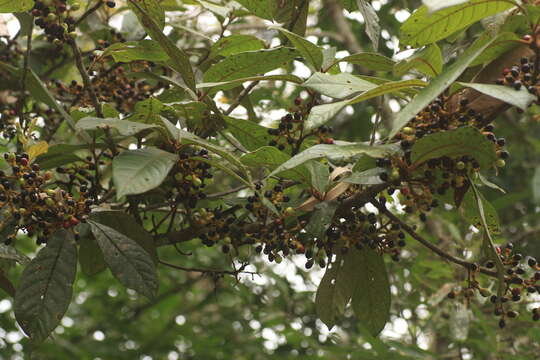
240	270
86	78
89	12
428	244
24	75
241	97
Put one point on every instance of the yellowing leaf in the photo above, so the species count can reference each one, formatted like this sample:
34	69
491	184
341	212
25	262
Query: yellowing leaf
35	150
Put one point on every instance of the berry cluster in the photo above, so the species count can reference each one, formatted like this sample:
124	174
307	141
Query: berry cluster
521	75
9	50
112	85
190	176
32	205
521	279
53	16
291	131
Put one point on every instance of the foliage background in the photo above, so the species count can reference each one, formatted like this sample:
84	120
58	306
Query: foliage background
272	315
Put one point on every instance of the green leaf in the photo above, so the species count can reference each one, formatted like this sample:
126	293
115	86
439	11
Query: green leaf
428	61
425	28
226	85
336	153
251	135
321	219
126	224
13	6
271	158
337	86
249	63
262	8
147	111
388	88
235	44
319	175
148	50
321	114
128	261
309	51
152	9
470	211
179	59
369	60
436	5
367	177
505	42
46	285
371	20
90	258
438	85
518	98
124	127
216	9
371	296
461	141
138	171
332	297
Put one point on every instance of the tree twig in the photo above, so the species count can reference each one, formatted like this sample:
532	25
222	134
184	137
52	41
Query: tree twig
466	264
240	270
86	79
89	12
241	97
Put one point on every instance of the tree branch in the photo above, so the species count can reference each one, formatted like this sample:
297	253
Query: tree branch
86	79
429	245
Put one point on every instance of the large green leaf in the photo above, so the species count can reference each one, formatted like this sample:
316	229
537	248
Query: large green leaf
251	135
126	224
321	219
179	59
270	158
370	60
360	276
337	86
124	127
262	8
249	63
148	50
235	44
439	84
519	98
322	113
147	111
13	6
470	211
309	51
505	42
461	141
141	170
128	261
336	153
44	291
332	297
424	28
428	61
371	296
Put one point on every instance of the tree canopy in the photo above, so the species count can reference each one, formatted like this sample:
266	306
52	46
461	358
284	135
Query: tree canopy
261	179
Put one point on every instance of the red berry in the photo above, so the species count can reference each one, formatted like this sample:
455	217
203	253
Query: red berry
24	162
74	221
329	141
66	224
